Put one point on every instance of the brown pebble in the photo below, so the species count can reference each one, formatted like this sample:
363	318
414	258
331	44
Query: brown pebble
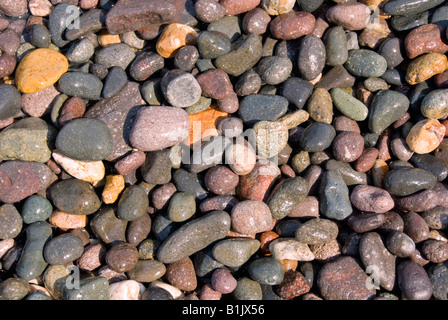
223	281
367	159
435	251
251	216
256	21
161	196
223	203
130	163
348	146
122	257
215	84
371	199
425	39
415	227
220	180
292	25
7	65
207	293
39	103
351	15
73	108
265	239
307	208
342	123
236	7
229	104
182	275
93	257
293	285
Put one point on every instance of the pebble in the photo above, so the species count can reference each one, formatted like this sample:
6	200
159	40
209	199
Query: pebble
348	105
133	203
400	244
316	231
435	251
334	194
21	179
246	54
290	249
318	136
312	57
209	10
425	39
11	222
234	252
348	146
125	17
173	37
415	227
351	16
90	171
32	263
251	216
292	25
371	199
334	287
175	247
94	288
402	7
256	21
271	138
266	270
75	196
241	158
32	75
14	289
425	67
274	70
247	289
262	107
387	107
437	277
36	208
115	55
374	253
275	8
297	91
75	140
63	249
125	290
286	196
171	127
413	281
366	222
213	44
435	218
182	206
92	257
425	136
433	105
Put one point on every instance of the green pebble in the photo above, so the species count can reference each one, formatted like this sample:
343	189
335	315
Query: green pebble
133	203
235	252
36	208
365	63
348	105
95	288
10	221
266	270
182	206
247	289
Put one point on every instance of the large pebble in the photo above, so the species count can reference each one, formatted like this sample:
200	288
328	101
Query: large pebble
317	231
425	136
351	16
251	216
75	196
262	107
371	199
40	69
235	252
374	254
292	25
434	104
387	107
348	105
171	127
286	196
247	53
129	16
21	179
424	67
332	283
194	236
85	140
334	195
63	249
413	281
317	137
